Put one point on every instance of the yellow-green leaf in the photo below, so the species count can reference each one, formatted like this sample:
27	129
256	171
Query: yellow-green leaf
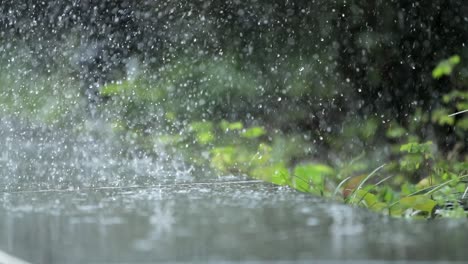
253	132
276	173
418	202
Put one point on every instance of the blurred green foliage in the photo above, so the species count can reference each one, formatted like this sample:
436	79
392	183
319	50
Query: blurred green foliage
417	180
445	67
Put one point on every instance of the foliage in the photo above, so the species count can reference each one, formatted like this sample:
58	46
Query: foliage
417	180
231	152
445	67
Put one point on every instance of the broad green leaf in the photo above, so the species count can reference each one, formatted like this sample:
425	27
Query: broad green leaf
253	132
311	177
367	197
276	173
313	173
418	202
301	184
378	207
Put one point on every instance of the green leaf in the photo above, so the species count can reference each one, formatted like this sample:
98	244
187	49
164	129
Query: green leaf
417	148
441	117
445	67
226	126
301	185
311	177
201	127
418	202
370	200
203	131
253	132
395	131
276	173
205	137
313	173
411	162
262	156
222	158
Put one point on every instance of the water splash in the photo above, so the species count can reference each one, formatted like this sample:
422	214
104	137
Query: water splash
34	157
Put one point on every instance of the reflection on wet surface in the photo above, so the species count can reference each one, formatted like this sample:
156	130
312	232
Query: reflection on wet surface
211	222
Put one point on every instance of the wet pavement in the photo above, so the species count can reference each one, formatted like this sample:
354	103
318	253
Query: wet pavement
86	198
238	221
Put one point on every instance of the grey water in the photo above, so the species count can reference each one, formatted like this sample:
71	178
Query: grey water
80	197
